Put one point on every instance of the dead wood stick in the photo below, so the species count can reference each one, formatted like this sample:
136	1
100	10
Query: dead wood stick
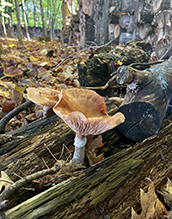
13	113
24	181
147	64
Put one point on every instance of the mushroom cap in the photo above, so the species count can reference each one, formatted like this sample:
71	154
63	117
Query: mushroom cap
85	112
43	96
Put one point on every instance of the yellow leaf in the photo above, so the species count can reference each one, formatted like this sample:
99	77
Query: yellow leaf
44	63
33	58
119	62
19	89
12	45
7	84
5	94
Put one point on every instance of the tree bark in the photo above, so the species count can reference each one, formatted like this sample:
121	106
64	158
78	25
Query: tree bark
101	20
34	13
18	22
43	19
25	20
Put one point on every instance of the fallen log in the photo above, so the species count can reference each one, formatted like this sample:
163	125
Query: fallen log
146	101
109	187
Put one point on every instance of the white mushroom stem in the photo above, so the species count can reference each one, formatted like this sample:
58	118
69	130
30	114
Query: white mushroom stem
45	108
79	153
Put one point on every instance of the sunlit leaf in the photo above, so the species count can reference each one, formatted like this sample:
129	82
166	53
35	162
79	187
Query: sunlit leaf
33	58
5	94
7	84
20	89
12	45
5	181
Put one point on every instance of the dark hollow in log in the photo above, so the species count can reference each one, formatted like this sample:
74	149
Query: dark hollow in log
146	100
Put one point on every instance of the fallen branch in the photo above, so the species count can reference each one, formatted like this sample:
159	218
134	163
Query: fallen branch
24	181
13	113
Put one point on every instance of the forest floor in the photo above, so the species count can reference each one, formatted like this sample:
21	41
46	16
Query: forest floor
54	65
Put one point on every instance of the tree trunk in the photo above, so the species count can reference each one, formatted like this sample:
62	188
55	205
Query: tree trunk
34	13
10	26
25	20
52	21
1	27
101	20
4	27
18	22
43	19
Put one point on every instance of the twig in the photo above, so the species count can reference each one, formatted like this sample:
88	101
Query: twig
45	163
70	56
61	152
106	85
13	113
70	154
51	153
6	181
147	64
22	173
18	175
24	181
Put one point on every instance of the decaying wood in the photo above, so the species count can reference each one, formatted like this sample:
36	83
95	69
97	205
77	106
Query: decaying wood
96	70
146	100
104	188
111	186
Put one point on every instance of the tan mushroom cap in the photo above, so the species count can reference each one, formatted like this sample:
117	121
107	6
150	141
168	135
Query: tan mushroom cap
85	112
43	96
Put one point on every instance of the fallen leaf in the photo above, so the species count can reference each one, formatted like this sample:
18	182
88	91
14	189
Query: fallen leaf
5	181
8	105
91	149
44	52
7	84
33	58
12	45
13	71
166	191
152	207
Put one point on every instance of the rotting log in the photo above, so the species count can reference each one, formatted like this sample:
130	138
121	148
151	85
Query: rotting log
110	187
24	149
146	101
96	70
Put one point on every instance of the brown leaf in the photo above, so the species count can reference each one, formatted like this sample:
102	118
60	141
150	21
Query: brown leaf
33	58
166	191
152	208
12	71
92	148
8	105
